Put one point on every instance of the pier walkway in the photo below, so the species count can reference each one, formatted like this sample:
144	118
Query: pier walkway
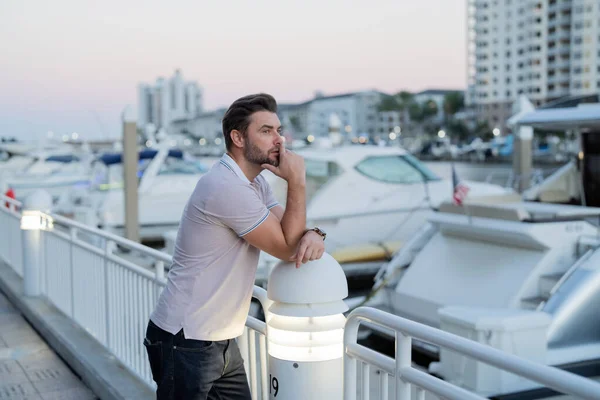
29	369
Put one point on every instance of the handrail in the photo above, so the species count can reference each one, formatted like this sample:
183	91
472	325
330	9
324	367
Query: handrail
571	270
11	201
551	377
123	242
112	237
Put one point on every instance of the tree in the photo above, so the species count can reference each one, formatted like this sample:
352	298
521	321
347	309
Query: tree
295	122
405	98
482	129
415	112
388	103
453	102
429	109
458	129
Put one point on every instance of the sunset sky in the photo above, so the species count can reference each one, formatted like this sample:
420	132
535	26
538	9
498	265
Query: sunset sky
72	66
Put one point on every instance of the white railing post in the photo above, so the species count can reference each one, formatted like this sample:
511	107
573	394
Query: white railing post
108	251
403	360
33	221
72	239
305	329
159	272
350	336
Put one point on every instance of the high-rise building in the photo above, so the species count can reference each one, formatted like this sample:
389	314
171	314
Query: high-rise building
544	49
168	100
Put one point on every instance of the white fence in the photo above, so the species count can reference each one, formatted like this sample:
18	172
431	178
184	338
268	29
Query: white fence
11	249
400	371
111	297
87	275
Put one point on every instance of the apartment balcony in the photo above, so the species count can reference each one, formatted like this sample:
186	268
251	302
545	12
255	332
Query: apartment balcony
559	20
562	64
559	6
560	34
558	91
558	78
561	51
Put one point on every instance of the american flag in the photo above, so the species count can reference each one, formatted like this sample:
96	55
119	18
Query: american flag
459	189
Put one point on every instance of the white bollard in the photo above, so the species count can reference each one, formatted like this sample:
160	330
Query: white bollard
32	221
305	330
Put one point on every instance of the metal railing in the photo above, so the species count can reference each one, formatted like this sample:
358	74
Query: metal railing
512	181
253	344
10	233
87	275
107	295
405	375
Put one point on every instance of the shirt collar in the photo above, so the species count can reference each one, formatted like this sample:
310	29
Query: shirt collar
230	163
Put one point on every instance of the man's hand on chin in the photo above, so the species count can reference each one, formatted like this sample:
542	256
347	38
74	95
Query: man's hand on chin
310	248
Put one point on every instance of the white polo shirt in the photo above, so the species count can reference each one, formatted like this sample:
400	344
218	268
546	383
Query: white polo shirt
209	286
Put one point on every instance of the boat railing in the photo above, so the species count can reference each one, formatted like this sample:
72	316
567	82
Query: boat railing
581	261
400	371
511	180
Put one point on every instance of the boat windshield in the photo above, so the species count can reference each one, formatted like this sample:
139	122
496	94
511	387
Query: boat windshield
319	172
402	169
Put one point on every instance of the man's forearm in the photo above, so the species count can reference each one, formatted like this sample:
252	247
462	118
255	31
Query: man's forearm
293	222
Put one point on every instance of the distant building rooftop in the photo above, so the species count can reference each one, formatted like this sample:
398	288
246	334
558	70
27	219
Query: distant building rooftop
433	92
283	106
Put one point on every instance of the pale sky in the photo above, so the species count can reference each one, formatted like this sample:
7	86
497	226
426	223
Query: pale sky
72	65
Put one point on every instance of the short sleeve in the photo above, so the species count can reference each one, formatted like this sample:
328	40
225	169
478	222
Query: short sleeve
238	207
269	198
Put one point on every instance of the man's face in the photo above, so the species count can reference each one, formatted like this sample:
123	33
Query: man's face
263	138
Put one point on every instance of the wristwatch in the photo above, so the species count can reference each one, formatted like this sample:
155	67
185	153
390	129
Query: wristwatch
319	231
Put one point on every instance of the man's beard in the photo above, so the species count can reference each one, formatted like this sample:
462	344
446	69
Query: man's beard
254	155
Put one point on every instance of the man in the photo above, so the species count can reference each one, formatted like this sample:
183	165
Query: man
229	218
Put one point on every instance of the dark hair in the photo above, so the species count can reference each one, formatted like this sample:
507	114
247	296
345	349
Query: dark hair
237	116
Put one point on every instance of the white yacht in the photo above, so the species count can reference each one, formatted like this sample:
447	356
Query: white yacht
369	194
167	178
520	276
55	170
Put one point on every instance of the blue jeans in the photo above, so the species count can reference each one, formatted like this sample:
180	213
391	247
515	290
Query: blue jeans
188	369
